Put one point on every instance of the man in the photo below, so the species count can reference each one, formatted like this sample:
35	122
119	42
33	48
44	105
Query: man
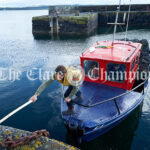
67	76
116	72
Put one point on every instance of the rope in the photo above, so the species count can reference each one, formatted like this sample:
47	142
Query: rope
101	46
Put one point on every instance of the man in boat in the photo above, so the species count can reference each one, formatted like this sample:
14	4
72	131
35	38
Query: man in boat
67	76
116	72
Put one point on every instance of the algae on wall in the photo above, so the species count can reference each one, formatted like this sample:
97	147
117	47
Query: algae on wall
41	143
84	24
41	25
74	19
41	18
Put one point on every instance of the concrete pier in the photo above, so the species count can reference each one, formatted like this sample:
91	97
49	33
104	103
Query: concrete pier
41	25
84	24
42	143
84	20
137	18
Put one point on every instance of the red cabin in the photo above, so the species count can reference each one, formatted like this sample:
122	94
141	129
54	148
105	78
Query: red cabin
113	64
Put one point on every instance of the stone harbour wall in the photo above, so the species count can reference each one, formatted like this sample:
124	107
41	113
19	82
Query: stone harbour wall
82	24
136	19
78	25
41	25
98	8
42	143
84	20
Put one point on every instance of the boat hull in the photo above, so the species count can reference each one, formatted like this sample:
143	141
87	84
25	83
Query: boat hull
94	132
108	126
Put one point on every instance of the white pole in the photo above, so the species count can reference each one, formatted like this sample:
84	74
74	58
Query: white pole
116	20
128	21
15	111
115	27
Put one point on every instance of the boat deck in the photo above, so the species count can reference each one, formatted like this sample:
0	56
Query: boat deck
93	93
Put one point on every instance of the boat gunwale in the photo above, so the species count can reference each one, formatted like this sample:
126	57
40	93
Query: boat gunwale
116	118
113	98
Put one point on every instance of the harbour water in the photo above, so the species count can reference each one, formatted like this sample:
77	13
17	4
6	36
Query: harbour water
20	51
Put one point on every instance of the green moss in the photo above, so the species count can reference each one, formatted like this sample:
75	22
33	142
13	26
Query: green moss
40	143
25	147
75	19
41	18
82	19
58	144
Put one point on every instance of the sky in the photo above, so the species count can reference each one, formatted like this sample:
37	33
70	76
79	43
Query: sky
24	3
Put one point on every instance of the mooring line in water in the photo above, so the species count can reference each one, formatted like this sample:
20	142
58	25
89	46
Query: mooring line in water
15	111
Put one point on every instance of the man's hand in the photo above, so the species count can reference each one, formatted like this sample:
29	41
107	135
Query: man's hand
67	99
33	98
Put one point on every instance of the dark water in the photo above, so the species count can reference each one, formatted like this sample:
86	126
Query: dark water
19	50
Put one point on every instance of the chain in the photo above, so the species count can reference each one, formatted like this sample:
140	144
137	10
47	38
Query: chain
10	143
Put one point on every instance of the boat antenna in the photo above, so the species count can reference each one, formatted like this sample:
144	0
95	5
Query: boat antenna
116	20
128	21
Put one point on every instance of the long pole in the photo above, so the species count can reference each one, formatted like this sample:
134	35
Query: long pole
15	111
115	27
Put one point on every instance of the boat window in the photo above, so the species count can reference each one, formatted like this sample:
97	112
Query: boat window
116	72
133	65
91	68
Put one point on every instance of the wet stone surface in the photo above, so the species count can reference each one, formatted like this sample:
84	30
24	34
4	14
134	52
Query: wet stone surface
42	143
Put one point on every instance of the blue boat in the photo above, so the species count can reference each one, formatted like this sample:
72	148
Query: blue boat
99	113
111	89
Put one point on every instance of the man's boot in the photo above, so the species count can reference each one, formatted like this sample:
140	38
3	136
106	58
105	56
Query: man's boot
70	111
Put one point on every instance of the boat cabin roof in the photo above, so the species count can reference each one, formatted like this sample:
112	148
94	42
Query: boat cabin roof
120	51
101	59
